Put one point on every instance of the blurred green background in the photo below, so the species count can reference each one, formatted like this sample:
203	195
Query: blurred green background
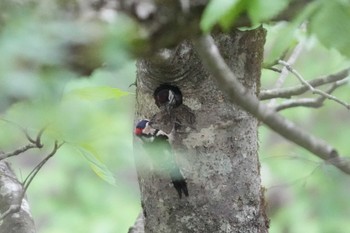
90	185
307	195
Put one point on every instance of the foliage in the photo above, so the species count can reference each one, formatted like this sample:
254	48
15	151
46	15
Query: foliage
42	86
224	12
311	193
328	20
330	24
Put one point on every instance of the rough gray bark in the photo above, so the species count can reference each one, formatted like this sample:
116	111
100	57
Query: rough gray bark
217	152
10	192
139	226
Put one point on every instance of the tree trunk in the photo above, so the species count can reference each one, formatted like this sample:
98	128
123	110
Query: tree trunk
216	149
11	190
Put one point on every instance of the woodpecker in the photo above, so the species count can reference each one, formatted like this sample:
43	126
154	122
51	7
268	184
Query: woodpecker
168	97
156	142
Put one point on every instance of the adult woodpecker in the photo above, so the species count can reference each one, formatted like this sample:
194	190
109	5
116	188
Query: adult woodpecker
167	96
156	143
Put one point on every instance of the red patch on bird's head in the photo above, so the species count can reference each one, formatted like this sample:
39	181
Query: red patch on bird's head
138	131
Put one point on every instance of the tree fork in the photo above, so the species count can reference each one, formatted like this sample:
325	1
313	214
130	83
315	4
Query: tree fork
218	152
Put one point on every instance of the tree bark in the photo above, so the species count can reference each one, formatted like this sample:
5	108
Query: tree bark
10	192
216	144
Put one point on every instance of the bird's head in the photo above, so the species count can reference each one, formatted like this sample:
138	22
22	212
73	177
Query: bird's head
144	129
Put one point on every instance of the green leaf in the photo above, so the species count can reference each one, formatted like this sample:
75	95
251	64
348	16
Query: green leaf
287	34
215	11
282	43
260	10
332	26
233	12
97	93
91	155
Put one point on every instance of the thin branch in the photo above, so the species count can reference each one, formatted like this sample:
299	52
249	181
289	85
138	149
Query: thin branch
17	151
297	180
38	138
310	102
33	173
310	87
29	138
298	90
33	144
14	208
238	94
274	69
304	102
296	73
36	141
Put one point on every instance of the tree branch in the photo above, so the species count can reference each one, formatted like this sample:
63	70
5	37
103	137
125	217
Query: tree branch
17	203
33	143
310	102
310	87
17	151
300	89
33	173
239	95
304	102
